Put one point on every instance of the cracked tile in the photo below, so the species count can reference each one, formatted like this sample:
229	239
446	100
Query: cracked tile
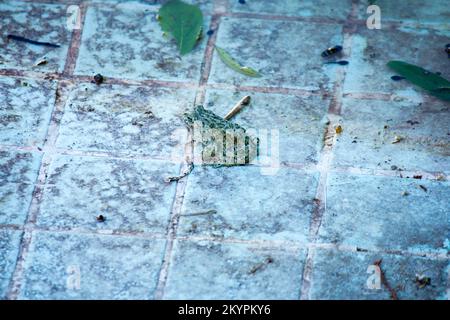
127	120
130	194
347	275
412	11
286	53
317	9
124	40
371	126
9	250
25	110
91	267
15	199
18	173
373	49
17	166
39	22
154	5
233	271
246	204
355	216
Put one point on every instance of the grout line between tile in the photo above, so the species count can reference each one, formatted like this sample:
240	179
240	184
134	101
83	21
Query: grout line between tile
66	78
72	53
266	244
16	282
60	98
189	150
304	167
326	158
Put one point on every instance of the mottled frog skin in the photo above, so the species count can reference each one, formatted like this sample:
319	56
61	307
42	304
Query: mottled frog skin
212	134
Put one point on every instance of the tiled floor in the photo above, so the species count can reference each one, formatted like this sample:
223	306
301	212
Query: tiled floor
71	150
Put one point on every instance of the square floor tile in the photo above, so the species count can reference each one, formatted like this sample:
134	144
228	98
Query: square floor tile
286	53
126	120
15	199
9	249
124	40
18	173
373	49
371	127
247	204
375	212
131	195
69	266
35	21
153	5
20	167
411	11
348	275
208	270
25	110
321	8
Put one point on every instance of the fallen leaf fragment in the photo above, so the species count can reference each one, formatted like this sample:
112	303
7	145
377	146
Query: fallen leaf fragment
183	21
427	80
236	66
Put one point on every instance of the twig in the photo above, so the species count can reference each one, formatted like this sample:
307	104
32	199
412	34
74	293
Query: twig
212	211
385	282
242	103
19	38
261	265
184	174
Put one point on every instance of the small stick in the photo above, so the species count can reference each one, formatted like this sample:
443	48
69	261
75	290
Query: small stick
242	103
184	174
212	211
261	265
19	38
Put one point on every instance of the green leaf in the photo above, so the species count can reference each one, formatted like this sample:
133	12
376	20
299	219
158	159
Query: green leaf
425	79
233	64
183	21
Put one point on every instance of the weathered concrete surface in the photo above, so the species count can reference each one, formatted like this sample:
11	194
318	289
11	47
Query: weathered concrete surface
126	119
71	150
108	267
36	21
237	271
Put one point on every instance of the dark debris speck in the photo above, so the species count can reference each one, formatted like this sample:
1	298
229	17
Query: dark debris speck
397	78
98	79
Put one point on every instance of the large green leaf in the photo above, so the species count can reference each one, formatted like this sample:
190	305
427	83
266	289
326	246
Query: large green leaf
425	79
233	64
183	21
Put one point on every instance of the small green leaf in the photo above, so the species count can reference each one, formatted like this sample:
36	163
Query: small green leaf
425	79
183	21
233	64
